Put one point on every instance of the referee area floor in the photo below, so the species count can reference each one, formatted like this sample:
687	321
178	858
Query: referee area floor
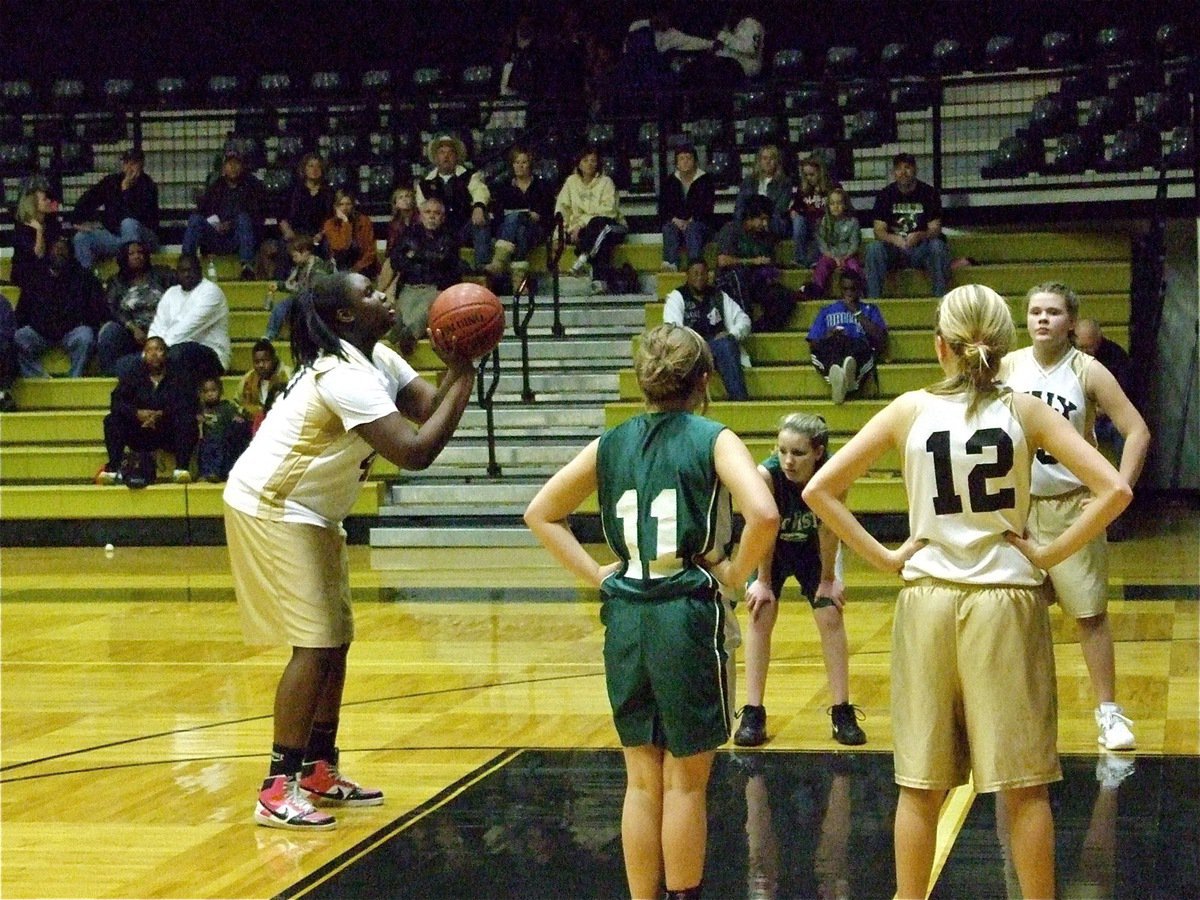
135	726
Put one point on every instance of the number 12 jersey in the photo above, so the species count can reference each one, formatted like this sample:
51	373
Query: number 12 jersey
967	481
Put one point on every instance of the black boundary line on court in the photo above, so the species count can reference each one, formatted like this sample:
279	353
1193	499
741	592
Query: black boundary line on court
387	832
194	728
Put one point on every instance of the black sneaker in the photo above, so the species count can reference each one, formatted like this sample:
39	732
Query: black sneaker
753	730
8	403
845	724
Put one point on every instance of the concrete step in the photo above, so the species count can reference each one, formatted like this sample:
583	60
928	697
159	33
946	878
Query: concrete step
484	536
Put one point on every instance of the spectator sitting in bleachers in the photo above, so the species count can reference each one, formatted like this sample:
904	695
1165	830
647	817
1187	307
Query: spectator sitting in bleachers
908	230
230	215
425	262
127	204
310	200
193	319
1091	340
349	236
746	270
61	305
838	239
524	207
847	338
522	63
768	180
592	217
133	295
737	54
463	193
713	315
808	209
8	355
37	228
405	215
152	408
685	207
306	266
224	433
645	57
261	385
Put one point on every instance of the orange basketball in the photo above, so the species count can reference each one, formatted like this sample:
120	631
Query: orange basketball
466	319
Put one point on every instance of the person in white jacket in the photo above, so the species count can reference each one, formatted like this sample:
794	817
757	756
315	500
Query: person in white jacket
714	315
193	318
591	215
743	45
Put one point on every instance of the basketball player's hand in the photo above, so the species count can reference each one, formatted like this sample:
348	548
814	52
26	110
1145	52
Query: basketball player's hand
759	596
833	590
898	557
720	570
1031	551
448	355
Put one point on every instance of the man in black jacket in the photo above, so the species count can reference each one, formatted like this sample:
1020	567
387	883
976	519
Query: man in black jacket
152	408
125	204
424	262
463	192
61	305
229	215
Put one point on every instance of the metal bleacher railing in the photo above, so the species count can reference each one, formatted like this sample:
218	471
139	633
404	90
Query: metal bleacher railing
1053	134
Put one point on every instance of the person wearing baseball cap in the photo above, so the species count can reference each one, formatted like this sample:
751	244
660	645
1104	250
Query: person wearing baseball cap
463	193
229	216
121	208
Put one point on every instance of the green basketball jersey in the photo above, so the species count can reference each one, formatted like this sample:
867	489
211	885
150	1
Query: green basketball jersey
661	504
797	523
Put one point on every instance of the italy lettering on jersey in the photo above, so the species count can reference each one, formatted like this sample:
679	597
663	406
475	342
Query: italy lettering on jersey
661	505
797	523
967	482
1063	386
307	463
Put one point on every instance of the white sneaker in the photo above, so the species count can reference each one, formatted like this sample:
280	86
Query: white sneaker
1115	730
282	805
669	266
850	365
581	263
1111	769
181	476
837	384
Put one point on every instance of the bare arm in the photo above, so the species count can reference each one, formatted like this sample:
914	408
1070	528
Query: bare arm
826	491
1111	491
738	472
398	442
758	592
547	515
419	398
1106	391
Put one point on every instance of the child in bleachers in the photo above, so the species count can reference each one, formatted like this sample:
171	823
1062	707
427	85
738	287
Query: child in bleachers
306	266
405	215
838	239
262	384
224	433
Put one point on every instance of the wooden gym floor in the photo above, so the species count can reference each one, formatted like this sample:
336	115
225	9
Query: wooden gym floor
135	727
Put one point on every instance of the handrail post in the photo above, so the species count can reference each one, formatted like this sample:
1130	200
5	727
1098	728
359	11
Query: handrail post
485	400
558	243
526	287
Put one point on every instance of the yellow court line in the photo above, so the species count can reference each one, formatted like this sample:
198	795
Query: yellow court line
950	821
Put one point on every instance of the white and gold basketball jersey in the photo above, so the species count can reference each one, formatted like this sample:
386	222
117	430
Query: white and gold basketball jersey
1064	387
967	483
306	463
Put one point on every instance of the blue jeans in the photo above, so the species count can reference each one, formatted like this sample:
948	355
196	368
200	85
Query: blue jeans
520	231
933	256
279	315
727	359
92	246
479	239
78	342
8	346
199	234
692	238
115	342
804	238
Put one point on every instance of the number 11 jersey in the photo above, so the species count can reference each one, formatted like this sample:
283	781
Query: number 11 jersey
661	504
967	482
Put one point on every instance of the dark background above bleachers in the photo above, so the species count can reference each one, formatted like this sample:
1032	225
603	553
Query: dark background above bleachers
96	38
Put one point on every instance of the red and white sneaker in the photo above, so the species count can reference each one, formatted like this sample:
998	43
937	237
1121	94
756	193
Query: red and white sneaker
326	785
282	805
